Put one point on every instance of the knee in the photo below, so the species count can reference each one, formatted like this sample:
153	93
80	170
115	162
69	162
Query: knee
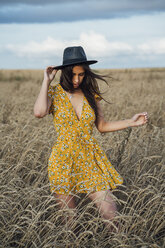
105	203
108	210
107	207
65	201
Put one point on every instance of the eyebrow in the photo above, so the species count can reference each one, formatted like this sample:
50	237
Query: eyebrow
79	73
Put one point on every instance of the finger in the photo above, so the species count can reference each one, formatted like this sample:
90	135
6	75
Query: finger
48	70
54	71
145	113
145	120
49	67
53	67
146	117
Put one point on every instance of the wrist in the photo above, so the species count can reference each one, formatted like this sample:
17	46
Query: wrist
46	81
130	123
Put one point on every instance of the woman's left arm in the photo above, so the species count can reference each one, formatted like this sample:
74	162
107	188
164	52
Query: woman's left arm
110	126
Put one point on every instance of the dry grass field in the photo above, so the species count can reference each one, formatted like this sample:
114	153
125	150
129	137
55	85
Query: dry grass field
29	215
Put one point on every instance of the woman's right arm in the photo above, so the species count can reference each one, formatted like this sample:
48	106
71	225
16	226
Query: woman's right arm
43	102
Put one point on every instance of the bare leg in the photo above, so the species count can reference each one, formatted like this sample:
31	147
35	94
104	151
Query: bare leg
106	205
67	201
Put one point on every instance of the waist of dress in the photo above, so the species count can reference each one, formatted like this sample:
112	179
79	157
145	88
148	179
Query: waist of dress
75	134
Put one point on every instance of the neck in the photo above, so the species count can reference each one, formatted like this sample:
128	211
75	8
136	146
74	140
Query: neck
76	90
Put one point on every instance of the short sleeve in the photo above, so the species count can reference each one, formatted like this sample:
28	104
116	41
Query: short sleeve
51	93
98	98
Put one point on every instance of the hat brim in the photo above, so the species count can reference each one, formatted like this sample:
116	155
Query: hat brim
89	62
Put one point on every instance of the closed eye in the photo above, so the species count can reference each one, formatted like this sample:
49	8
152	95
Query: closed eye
81	74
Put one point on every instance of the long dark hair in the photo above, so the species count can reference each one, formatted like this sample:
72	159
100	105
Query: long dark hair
89	85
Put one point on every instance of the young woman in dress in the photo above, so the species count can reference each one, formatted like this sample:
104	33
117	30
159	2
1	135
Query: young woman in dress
77	164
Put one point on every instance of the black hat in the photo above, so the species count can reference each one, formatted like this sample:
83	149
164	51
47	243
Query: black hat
74	55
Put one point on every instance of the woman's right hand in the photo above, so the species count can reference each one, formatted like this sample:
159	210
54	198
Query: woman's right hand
49	74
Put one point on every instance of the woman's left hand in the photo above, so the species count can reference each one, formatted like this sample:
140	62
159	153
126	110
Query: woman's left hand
139	119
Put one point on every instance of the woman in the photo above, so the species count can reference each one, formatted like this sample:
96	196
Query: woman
77	164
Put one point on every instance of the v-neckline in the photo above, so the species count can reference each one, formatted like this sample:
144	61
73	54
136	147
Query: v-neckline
73	107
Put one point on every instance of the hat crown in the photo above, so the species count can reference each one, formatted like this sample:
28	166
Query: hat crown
75	53
73	56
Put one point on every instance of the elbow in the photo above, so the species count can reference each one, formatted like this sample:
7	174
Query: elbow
38	114
100	130
101	127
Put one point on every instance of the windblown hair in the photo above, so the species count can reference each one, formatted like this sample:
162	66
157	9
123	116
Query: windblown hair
89	85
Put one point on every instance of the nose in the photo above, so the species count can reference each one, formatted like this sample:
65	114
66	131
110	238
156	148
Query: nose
76	79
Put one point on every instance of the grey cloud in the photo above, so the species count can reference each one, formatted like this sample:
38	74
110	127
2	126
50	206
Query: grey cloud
35	2
41	11
118	4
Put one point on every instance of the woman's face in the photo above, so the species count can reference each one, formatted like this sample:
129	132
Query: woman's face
78	73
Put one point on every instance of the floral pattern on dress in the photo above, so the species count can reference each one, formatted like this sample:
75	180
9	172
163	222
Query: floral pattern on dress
77	163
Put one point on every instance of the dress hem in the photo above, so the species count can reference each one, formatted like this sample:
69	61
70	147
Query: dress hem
72	192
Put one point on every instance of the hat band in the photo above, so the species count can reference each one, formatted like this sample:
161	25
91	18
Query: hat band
68	61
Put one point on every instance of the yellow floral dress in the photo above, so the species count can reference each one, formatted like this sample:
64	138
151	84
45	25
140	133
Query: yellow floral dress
77	164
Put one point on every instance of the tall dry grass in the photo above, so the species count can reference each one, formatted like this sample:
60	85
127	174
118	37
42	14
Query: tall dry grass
29	215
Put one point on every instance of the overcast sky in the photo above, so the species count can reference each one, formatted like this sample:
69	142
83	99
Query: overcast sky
118	33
